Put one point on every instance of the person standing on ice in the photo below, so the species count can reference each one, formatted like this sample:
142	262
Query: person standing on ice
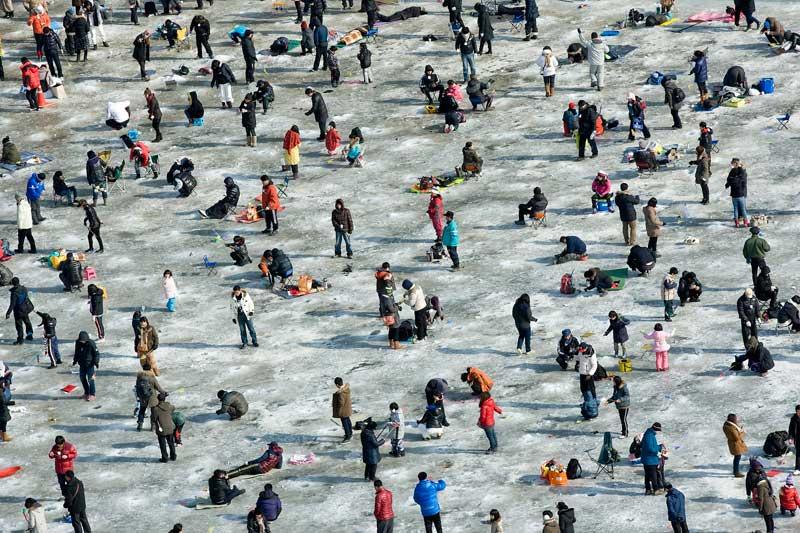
64	454
755	250
342	407
436	212
342	222
370	449
660	346
87	357
734	433
523	316
318	109
617	325
676	509
651	451
20	304
383	513
737	183
92	223
425	495
486	419
596	50
75	503
48	325
794	437
243	309
434	395
170	290
164	427
466	45
531	14
95	303
24	224
415	298
451	239
749	310
587	121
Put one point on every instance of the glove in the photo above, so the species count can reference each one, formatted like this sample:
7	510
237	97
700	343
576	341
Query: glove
535	319
250	314
579	31
234	320
747	324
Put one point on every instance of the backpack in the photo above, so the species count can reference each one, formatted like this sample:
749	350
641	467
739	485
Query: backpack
144	390
566	284
574	469
407	330
279	46
775	445
678	95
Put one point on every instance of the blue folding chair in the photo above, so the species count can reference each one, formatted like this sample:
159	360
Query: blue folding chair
282	187
783	121
372	35
715	146
517	23
211	266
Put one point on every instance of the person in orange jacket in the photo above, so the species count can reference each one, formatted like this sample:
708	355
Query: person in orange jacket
477	379
332	138
31	82
39	20
270	203
486	419
790	500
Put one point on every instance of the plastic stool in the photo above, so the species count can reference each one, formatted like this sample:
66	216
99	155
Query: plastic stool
198	122
89	274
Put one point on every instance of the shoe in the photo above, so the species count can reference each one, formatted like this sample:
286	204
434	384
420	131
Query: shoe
5	437
667	319
94	47
349	256
173	457
346	439
51	367
88	251
163	460
105	44
255	345
11	402
100	251
242	347
579	158
648	493
17	342
28	337
202	213
738	474
520	223
519	351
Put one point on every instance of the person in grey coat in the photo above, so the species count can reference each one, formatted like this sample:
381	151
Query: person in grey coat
233	403
319	110
164	427
673	97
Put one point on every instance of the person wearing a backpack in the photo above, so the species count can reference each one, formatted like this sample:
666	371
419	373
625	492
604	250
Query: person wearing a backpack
147	390
617	325
566	514
734	433
636	107
676	509
21	305
622	400
674	97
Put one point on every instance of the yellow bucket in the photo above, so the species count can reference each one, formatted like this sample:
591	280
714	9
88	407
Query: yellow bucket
625	365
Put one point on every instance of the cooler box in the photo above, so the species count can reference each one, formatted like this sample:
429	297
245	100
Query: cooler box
766	85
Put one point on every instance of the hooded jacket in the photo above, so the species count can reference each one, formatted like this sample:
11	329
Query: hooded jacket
35	188
341	218
700	69
676	505
74	499
735	436
24	215
195	109
95	300
619	329
625	202
248	47
86	354
650	448
281	266
521	313
222	74
270	505
35	519
485	28
487	410
566	517
547	63
94	169
465	43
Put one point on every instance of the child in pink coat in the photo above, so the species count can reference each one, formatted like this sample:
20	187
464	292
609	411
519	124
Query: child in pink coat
660	346
601	189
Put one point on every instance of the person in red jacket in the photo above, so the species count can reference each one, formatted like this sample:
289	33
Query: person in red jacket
790	500
140	155
383	508
270	203
436	212
486	419
38	21
64	454
31	82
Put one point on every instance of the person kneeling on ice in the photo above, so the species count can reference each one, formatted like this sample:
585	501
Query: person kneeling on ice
601	190
567	348
239	251
220	490
452	114
477	91
535	208
589	407
71	274
597	279
234	404
431	423
353	153
471	161
226	205
276	265
575	250
271	458
790	499
690	288
641	260
757	356
790	313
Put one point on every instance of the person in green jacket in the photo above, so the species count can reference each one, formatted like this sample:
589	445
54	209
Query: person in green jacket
754	250
450	238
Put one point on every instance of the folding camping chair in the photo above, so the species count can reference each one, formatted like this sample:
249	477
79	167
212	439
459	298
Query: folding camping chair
282	187
182	41
517	23
783	121
371	36
114	178
211	266
608	456
715	146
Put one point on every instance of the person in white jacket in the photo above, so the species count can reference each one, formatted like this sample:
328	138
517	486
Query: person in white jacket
396	426
243	309
596	49
548	65
118	114
415	298
587	366
170	290
24	224
33	513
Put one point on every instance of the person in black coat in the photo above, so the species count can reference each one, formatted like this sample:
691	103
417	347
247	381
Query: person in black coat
222	77
689	288
794	434
748	309
764	289
531	14
81	29
278	265
371	6
746	7
319	110
202	31
248	110
735	77
92	223
618	326
626	204
50	339
75	503
195	109
523	316
249	53
141	52
88	360
454	8
71	273
318	8
587	120
574	249
566	517
179	167
264	94
21	306
485	28
430	83
370	450
597	279
537	204
737	183
219	489
364	57
434	395
52	51
226	205
641	260
567	348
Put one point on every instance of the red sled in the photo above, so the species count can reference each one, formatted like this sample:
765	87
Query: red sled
69	388
10	471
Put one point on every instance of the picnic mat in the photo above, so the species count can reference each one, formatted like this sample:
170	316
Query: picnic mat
618	276
28	159
621	50
710	16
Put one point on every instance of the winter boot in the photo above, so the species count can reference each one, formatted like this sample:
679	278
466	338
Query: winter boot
5	437
254	141
736	222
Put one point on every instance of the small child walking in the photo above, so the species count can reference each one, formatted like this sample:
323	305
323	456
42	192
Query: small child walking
332	138
333	66
397	431
306	39
789	498
170	290
365	60
660	346
617	325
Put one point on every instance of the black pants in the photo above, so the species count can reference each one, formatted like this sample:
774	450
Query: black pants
582	140
347	426
142	413
271	219
369	472
62	483
747	332
245	470
23	234
645	131
249	71
202	42
587	384
372	16
142	72
321	124
650	477
80	523
39	38
487	42
78	54
530	26
344	4
768	523
652	244
157	127
433	521
676	118
2	72
704	188
98	324
54	63
94	232
163	442
250	132
623	420
679	526
385	526
116	125
455	16
321	52
31	97
452	251
297	6
757	263
135	15
335	75
421	321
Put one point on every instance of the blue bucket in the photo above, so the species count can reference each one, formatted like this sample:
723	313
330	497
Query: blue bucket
602	206
133	135
766	85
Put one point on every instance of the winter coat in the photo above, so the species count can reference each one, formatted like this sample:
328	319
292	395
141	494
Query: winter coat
94	170
566	517
700	70
5	414
619	329
95	300
52	44
735	436
794	428
291	147
436	212
11	153
149	377
383	505
48	324
242	305
651	221
766	502
601	187
170	289
668	287
688	279
790	500
755	248
269	197
64	459
217	488
746	6
86	354
575	245
596	50
522	314
333	61
676	505
364	57
476	375
342	220
370	447
538	203
703	171
231	194
340	403
550	526
332	139
415	298
425	496
281	265
465	44
307	38
748	308
622	395
75	500
321	35
195	109
485	28
38	22
148	340
531	9
625	202
429	81
318	107
651	450
547	69
141	48
30	76
161	418
270	505
80	27
153	108
222	75
587	363
73	271
248	49
488	409
397	425
670	90
233	399
450	234
659	339
568	346
587	121
737	182
24	216
640	258
200	26
248	111
35	519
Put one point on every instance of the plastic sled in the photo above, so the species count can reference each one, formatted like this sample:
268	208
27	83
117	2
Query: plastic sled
205	503
10	471
241	218
669	22
618	277
456	181
69	388
292	292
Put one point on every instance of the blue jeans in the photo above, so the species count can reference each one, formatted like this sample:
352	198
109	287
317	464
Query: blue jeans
524	336
171	305
7	391
245	325
337	248
468	64
87	380
490	434
739	207
452	251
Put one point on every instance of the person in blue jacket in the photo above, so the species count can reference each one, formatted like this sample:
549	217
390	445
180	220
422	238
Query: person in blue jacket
425	496
450	238
676	509
700	71
34	192
575	249
651	452
321	46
